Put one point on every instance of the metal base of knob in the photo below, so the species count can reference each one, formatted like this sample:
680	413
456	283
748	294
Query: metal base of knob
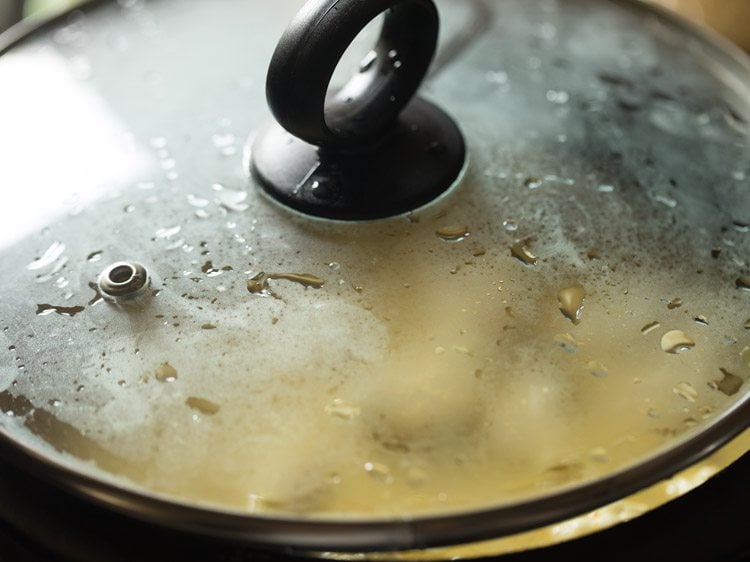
414	163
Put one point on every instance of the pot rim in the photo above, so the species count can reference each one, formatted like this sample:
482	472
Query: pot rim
450	528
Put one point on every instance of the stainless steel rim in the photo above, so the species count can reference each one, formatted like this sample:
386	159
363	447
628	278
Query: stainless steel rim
408	533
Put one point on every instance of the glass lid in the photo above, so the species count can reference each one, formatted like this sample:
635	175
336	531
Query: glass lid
568	323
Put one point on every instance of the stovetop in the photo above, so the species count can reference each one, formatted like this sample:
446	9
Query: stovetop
39	523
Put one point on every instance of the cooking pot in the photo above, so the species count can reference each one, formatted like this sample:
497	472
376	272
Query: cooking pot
386	320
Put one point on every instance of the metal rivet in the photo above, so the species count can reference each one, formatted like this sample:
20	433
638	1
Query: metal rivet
123	281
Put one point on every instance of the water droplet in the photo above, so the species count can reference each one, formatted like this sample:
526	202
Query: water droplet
606	188
650	327
233	200
599	454
571	303
729	384
690	422
597	369
48	258
259	285
496	77
558	96
666	201
567	343
397	64
745	356
741	227
416	477
510	225
165	373
94	256
55	403
701	320
47	309
686	391
676	341
379	472
454	233
747	324
158	142
368	61
223	140
209	269
168	164
532	183
167	233
743	282
195	201
521	252
674	304
203	406
341	409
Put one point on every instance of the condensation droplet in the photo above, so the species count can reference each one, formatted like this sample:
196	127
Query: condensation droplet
686	391
745	357
532	183
597	369
342	409
674	304
666	201
558	96
48	257
496	77
571	303
223	140
379	472
233	200
203	406
453	233
521	252
676	341
165	373
169	232
650	327
599	454
701	320
94	256
729	384
567	342
69	311
195	201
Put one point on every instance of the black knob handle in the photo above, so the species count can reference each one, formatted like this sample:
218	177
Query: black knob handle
364	109
370	150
